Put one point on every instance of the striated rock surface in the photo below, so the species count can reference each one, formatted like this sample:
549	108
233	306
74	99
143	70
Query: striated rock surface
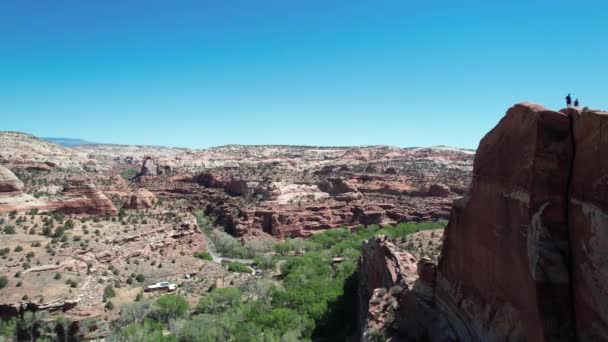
506	246
524	254
81	197
588	221
140	199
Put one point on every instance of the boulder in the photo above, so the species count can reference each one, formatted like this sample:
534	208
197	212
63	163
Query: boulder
140	199
439	190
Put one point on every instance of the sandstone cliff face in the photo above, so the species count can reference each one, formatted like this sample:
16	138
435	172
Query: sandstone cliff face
504	266
588	221
525	252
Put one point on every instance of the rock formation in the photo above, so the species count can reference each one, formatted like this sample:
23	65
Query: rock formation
9	182
382	268
524	254
77	197
140	199
82	197
588	222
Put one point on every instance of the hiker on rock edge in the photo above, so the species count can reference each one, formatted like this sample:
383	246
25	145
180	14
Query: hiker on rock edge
568	100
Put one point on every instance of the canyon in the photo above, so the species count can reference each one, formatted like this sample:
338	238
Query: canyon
522	256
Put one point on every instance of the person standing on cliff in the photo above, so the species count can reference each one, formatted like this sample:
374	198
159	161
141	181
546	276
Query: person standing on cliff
568	100
576	103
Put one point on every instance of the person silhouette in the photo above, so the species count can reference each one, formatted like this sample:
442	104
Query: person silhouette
568	100
576	103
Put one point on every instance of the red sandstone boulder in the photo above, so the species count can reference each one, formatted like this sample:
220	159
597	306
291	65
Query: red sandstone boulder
140	199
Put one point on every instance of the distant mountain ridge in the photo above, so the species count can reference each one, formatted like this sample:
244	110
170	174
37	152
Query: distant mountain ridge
69	142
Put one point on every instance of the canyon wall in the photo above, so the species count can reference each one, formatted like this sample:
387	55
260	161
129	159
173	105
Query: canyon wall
525	254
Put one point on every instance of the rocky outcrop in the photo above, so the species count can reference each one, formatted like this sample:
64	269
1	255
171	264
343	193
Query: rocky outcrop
78	197
9	182
506	246
524	253
384	272
140	199
12	196
340	189
17	309
82	198
154	166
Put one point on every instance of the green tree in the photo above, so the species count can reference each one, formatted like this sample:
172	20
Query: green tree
8	328
149	331
172	306
219	300
62	327
32	324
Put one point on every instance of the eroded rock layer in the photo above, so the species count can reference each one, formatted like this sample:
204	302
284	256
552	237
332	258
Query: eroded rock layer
588	221
525	252
504	265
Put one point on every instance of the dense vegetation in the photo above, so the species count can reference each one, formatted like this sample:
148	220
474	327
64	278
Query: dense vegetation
315	299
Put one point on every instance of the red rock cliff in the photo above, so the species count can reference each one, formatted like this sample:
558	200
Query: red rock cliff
504	270
525	254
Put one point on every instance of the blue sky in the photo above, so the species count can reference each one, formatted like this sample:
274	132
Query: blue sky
206	73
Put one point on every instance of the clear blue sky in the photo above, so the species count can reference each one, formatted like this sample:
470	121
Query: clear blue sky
204	73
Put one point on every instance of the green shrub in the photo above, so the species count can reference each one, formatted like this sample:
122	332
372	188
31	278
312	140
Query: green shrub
3	282
204	256
238	267
129	174
108	292
265	262
4	251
